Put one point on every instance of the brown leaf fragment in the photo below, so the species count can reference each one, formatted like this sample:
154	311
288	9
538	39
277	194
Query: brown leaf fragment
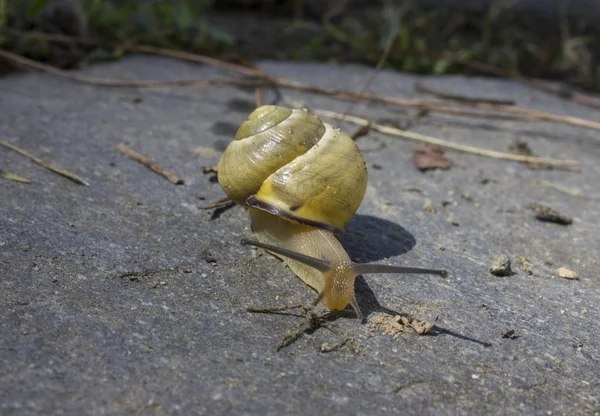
545	213
13	176
566	273
430	157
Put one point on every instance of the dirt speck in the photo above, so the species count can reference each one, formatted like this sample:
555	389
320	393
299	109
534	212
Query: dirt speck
510	334
328	347
394	325
453	221
545	213
525	263
428	206
209	169
207	256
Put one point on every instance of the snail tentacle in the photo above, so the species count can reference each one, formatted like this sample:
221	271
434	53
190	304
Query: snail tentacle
319	264
368	268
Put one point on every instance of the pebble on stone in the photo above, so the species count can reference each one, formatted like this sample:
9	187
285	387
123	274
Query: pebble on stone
500	265
566	273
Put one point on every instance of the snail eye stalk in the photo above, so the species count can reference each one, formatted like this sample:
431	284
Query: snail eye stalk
321	265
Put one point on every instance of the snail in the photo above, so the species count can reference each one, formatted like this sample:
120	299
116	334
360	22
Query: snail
301	180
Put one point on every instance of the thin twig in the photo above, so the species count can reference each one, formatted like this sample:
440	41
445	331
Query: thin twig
393	15
456	97
439	106
444	143
186	56
540	115
172	177
108	82
448	107
259	94
13	177
47	165
563	92
219	203
559	91
273	309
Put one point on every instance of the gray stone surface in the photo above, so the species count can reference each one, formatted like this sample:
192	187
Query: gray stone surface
79	334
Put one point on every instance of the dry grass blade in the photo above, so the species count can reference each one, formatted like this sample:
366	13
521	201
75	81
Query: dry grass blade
13	177
185	56
172	177
455	97
47	165
562	188
443	143
108	82
559	91
539	115
393	17
449	107
273	309
259	96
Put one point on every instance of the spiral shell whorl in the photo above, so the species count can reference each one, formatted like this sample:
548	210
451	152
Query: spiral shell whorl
291	164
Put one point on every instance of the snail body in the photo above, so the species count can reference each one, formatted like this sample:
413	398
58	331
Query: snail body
333	280
301	181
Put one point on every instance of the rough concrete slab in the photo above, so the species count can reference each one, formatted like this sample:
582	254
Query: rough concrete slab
109	308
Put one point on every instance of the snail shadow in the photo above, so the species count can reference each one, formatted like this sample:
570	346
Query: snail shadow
370	239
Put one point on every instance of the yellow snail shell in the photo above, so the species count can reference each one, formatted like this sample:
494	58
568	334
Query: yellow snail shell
291	164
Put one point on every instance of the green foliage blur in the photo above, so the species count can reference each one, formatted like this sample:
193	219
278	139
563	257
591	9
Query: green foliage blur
426	40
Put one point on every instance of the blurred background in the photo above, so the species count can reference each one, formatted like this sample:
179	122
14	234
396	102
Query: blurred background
550	39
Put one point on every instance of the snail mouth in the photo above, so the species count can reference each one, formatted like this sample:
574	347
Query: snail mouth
254	202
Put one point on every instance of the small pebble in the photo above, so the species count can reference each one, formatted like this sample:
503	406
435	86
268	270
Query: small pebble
500	265
428	206
566	273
